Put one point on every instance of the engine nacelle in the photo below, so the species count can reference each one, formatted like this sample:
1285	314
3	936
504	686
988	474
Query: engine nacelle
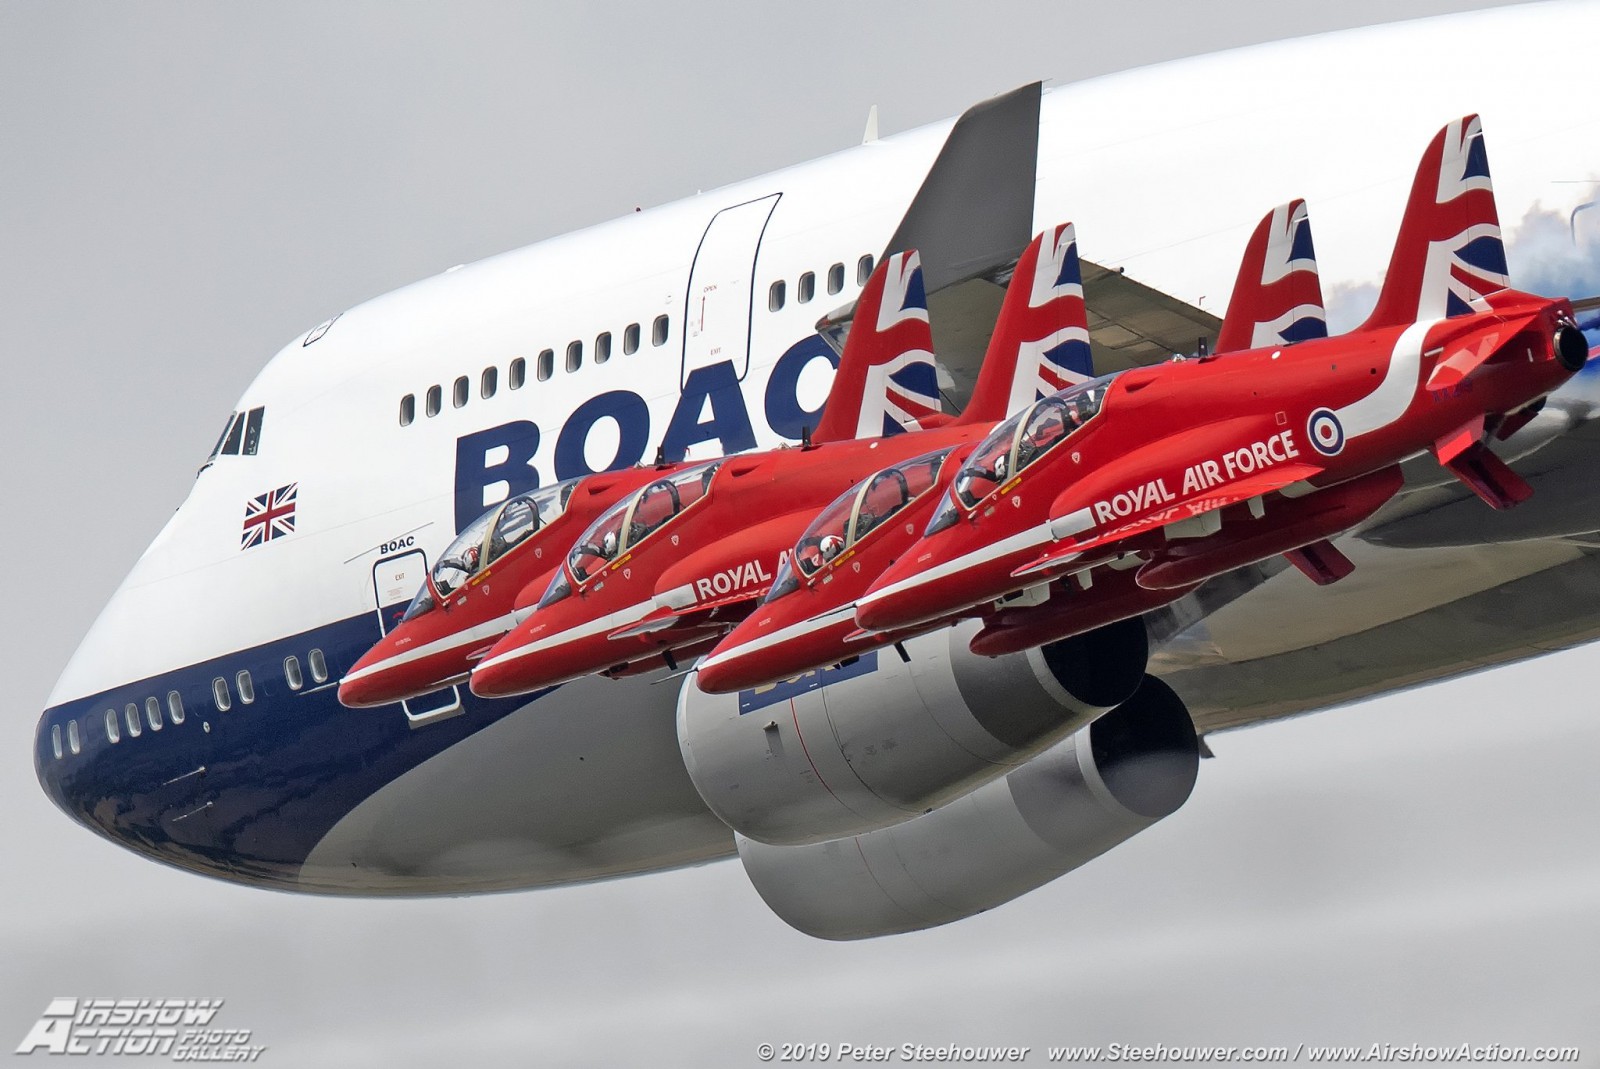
1067	806
884	740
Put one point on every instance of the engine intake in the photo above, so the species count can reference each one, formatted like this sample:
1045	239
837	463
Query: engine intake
1127	770
880	742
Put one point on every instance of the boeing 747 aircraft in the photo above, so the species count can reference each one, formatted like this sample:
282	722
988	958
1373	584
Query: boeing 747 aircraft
199	722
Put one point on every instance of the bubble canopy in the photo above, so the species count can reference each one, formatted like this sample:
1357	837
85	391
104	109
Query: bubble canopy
636	517
489	538
855	514
1026	437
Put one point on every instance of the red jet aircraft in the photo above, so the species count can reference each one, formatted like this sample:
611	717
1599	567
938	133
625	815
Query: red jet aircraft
808	619
489	578
664	574
1194	468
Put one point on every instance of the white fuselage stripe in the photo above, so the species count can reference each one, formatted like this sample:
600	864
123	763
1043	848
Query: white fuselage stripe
599	625
784	634
1033	536
492	629
1400	382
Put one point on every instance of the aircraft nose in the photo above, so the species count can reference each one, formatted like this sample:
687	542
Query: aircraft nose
895	600
47	762
721	675
363	691
123	791
375	679
501	674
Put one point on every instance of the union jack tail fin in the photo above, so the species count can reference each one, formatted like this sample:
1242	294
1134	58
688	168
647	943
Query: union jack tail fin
1041	340
1449	251
1278	296
886	383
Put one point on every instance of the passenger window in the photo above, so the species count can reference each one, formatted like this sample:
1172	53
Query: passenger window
546	366
574	355
775	296
519	373
113	732
435	400
488	382
658	331
252	432
55	740
836	278
602	348
130	716
219	693
73	742
152	713
292	673
458	393
807	288
408	409
630	340
863	270
175	706
247	687
319	667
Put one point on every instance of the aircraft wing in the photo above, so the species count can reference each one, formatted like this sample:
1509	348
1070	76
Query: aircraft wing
1073	547
1130	325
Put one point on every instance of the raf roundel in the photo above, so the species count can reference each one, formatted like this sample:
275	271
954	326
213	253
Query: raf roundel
1326	433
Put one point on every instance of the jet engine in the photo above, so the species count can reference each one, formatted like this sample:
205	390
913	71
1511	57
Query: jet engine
877	742
1067	806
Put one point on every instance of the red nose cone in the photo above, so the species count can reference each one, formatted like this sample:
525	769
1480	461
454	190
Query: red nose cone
726	677
369	682
363	693
525	661
897	600
503	678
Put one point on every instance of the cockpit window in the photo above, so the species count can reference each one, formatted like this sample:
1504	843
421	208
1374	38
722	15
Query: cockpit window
520	517
635	518
235	436
241	436
252	432
464	557
1025	437
227	430
491	536
419	604
785	582
863	508
560	587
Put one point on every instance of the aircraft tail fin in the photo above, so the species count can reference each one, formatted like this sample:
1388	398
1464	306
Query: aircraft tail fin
1041	339
1277	299
1449	252
886	382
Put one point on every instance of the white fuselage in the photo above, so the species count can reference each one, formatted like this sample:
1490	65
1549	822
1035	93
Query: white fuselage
1163	170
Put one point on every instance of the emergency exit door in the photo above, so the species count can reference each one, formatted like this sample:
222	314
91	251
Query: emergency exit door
721	293
395	581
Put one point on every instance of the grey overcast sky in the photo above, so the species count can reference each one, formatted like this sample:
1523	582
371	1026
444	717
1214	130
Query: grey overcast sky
184	186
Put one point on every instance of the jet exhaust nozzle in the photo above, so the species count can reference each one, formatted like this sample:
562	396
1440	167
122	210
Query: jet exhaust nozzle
1571	348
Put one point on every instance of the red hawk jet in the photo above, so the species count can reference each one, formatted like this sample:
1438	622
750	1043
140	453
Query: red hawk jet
808	618
490	577
1187	470
665	573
